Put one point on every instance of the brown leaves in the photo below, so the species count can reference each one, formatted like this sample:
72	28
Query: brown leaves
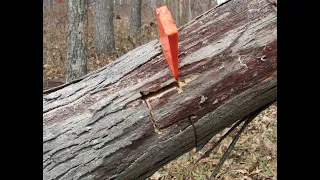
254	156
156	176
268	148
55	33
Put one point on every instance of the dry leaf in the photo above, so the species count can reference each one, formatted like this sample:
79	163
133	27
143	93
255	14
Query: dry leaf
47	66
155	176
256	171
246	178
242	171
268	147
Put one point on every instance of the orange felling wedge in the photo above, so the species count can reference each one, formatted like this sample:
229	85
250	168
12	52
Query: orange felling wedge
169	38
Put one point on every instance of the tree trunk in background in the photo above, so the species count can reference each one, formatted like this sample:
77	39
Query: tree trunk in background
209	4
47	4
135	19
103	27
189	11
181	12
177	13
127	119
172	9
117	5
76	58
51	5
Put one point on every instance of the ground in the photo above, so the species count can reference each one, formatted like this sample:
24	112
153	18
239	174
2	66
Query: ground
253	157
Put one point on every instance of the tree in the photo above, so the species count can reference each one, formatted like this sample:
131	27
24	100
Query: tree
189	10
209	4
181	12
177	12
128	119
135	18
103	27
76	58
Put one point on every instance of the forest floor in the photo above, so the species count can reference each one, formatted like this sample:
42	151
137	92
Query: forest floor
254	155
55	44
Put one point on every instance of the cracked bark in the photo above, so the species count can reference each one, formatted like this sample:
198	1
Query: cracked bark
76	65
135	18
103	27
100	127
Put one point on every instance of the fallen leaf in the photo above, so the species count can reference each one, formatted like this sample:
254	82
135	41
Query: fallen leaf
155	176
246	178
46	66
256	171
243	171
268	147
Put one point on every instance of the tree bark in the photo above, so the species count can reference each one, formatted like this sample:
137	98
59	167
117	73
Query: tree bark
76	58
181	21
103	27
189	10
135	19
177	13
129	118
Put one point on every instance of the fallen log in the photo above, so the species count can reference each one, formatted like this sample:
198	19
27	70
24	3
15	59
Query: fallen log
129	118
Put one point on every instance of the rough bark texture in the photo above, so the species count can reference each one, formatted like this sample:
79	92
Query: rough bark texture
177	13
209	4
128	119
135	19
181	21
76	58
103	27
189	10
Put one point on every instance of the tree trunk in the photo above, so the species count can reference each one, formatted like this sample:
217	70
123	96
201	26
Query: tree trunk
189	10
135	19
129	118
103	27
177	13
181	20
209	4
76	58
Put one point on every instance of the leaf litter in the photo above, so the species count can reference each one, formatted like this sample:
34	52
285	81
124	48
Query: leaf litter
253	157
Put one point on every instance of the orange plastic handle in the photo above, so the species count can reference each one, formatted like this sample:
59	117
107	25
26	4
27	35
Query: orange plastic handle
169	38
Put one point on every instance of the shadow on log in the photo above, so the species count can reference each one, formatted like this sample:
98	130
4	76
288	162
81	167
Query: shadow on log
128	119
